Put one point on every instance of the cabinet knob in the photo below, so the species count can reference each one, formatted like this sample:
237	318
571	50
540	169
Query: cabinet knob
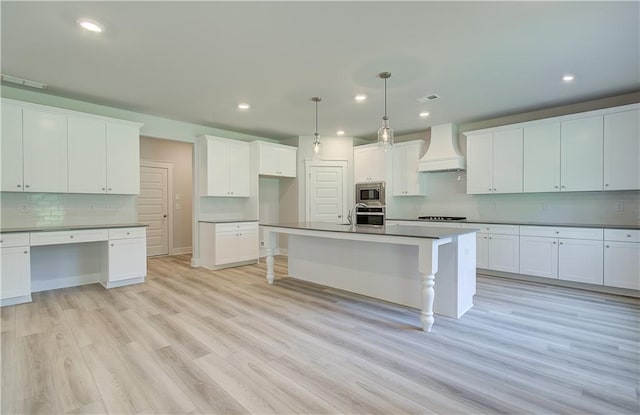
489	189
628	236
128	233
554	243
104	188
19	185
557	232
606	184
109	189
606	246
71	236
26	185
111	244
26	252
562	186
555	187
561	243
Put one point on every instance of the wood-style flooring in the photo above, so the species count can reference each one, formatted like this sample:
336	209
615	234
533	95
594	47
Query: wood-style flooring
197	341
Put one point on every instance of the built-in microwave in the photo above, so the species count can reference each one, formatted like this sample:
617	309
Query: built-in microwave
372	216
370	193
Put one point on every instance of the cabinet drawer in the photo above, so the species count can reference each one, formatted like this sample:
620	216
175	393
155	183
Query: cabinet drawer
68	237
126	233
544	231
595	234
622	235
237	226
493	228
14	239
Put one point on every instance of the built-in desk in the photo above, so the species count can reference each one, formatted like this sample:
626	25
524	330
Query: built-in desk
39	259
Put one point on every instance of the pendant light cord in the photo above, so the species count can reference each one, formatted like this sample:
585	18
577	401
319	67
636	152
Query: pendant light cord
385	99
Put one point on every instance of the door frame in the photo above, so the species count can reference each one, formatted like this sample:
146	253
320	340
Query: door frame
308	164
169	166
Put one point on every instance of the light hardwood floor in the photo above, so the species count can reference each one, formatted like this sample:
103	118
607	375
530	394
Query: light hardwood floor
198	341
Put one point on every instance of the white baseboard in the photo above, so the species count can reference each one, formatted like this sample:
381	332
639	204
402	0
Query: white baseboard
15	300
181	251
45	285
195	262
122	283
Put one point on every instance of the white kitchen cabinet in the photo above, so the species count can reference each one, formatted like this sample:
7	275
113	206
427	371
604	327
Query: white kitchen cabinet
581	160
497	246
494	162
15	268
44	140
580	260
482	250
123	158
541	162
127	258
369	162
406	179
622	150
228	244
539	256
11	149
276	160
622	258
224	167
87	160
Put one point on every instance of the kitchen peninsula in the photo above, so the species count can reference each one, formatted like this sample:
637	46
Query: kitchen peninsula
394	263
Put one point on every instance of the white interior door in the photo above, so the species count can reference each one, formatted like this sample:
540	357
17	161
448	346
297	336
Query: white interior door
325	190
153	208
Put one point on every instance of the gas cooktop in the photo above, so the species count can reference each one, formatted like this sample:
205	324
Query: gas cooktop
442	218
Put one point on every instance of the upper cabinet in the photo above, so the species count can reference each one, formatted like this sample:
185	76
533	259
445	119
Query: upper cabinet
44	143
224	167
592	151
405	168
494	162
52	150
276	159
368	163
622	150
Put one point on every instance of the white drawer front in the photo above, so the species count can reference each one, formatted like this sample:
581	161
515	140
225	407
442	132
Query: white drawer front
581	233
545	231
14	239
237	226
68	237
126	233
482	227
622	235
493	228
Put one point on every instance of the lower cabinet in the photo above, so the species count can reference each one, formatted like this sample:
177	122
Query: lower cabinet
622	258
580	260
15	268
228	244
496	246
539	256
127	257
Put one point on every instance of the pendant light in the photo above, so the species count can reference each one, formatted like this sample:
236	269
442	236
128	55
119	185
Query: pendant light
385	133
316	140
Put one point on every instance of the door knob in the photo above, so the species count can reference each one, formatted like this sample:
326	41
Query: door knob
164	216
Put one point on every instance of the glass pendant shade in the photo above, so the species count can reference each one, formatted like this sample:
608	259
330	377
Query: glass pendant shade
385	133
316	140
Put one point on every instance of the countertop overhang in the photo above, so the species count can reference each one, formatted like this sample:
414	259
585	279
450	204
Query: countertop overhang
402	231
71	227
523	223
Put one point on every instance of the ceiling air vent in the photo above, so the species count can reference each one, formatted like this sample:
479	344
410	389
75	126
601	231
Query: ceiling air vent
428	98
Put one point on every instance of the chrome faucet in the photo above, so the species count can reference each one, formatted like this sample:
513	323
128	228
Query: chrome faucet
352	212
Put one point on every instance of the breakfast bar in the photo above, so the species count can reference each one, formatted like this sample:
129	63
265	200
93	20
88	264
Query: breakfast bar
393	263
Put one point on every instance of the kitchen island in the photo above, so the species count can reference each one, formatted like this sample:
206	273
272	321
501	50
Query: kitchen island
394	263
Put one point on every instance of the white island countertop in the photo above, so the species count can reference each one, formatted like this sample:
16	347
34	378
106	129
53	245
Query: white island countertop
403	231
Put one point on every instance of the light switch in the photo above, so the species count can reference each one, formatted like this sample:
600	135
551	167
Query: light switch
177	206
177	196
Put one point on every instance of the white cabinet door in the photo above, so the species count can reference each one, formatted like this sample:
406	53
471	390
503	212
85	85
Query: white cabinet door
482	250
287	161
15	272
369	164
267	160
226	247
247	245
127	259
405	169
361	161
539	256
123	159
215	168
238	174
622	264
87	155
541	170
11	149
622	151
580	260
480	164
507	161
45	151
504	253
377	164
581	159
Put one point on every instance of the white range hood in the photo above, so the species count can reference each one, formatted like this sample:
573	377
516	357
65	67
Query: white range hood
443	153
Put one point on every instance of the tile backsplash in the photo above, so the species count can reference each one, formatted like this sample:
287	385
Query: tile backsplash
61	209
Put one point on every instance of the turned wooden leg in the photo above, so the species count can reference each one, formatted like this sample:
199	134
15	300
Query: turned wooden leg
428	295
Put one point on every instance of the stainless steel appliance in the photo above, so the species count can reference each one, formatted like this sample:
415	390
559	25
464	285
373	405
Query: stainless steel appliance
442	218
370	193
370	215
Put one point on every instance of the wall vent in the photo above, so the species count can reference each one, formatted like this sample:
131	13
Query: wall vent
428	98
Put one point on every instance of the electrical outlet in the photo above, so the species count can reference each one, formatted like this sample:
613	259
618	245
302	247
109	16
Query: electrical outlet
619	207
545	206
177	206
24	209
262	244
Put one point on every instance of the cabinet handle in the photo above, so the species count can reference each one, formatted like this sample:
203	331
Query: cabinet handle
557	232
128	233
19	185
111	244
26	252
71	236
109	189
26	185
555	187
104	188
562	186
628	236
489	189
606	184
554	243
606	246
561	243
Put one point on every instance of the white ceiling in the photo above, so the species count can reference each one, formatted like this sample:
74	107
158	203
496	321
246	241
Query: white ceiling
196	61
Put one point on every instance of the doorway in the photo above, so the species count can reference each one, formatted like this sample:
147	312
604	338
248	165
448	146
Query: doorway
326	191
153	205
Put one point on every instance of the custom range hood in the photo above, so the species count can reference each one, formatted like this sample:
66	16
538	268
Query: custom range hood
443	153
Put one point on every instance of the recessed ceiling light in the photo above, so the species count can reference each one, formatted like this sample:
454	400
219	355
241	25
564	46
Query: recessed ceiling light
91	25
340	132
360	97
243	106
424	114
568	77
